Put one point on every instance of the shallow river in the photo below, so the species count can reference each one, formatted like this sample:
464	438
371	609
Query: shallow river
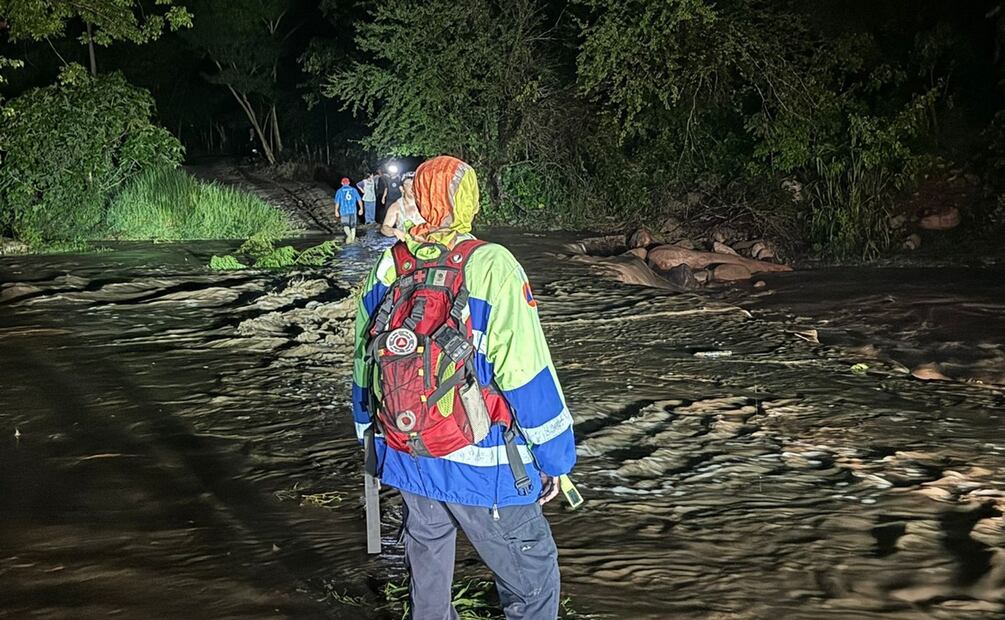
176	443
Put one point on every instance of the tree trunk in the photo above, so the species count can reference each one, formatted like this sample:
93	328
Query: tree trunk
221	132
249	111
90	51
278	139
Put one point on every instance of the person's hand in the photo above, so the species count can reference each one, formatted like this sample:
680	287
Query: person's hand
549	488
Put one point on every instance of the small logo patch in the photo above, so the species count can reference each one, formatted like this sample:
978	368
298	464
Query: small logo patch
402	341
529	295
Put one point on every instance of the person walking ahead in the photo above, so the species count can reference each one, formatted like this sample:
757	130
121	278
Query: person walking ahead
369	188
350	205
457	402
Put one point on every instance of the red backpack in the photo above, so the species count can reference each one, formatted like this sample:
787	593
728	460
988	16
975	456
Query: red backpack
425	394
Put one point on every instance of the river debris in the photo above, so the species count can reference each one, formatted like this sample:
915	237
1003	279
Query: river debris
641	258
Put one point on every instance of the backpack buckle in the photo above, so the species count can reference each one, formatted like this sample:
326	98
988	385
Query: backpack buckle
453	343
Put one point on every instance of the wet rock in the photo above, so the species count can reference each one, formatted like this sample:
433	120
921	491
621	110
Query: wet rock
641	238
638	253
730	273
702	276
929	372
722	248
682	276
913	242
945	220
760	284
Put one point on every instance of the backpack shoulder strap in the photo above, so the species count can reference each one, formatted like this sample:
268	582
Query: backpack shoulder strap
465	248
404	260
458	259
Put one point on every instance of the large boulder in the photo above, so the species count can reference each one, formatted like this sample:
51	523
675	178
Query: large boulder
945	220
666	257
730	273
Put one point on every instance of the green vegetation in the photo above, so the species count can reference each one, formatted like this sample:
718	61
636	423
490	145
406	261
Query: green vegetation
103	23
622	108
491	106
171	205
748	86
811	123
245	42
68	147
260	252
110	20
474	599
225	263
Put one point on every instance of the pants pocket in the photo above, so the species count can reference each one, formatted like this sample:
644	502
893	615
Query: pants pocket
534	553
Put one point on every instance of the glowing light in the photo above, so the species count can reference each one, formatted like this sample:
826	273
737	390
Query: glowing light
393	168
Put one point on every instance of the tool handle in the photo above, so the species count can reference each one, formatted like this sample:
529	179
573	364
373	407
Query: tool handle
371	498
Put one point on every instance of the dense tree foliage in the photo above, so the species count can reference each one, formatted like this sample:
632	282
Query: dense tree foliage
470	79
112	20
748	88
245	41
812	120
103	22
68	147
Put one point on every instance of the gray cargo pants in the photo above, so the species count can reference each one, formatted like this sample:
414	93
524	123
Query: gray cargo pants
518	548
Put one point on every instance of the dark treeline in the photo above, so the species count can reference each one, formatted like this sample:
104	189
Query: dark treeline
815	122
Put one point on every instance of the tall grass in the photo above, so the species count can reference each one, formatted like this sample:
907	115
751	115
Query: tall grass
171	205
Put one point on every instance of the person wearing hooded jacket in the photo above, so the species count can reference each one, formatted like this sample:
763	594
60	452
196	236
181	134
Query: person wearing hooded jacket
474	489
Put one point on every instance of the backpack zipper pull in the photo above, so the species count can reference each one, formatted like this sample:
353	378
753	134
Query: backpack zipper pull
495	512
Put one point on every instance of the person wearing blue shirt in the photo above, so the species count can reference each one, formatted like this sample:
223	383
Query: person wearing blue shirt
350	205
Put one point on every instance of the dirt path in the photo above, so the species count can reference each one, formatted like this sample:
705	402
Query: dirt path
308	204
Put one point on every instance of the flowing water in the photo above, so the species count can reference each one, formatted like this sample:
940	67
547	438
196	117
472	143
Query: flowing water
176	443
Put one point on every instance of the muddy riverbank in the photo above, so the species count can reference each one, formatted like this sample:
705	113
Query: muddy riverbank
168	433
